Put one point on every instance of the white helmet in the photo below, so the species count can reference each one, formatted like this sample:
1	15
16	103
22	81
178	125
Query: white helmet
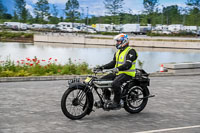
122	40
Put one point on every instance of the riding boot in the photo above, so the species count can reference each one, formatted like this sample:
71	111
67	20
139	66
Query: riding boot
117	95
106	94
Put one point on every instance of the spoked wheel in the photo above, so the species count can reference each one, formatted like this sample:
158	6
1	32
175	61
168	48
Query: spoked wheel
136	101
75	103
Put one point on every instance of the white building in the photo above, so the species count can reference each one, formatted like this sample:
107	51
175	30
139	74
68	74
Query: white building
10	24
104	27
37	26
69	26
190	28
16	25
131	28
160	27
19	26
176	27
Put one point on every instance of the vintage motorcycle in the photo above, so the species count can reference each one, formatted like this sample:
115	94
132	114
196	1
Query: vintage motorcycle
78	100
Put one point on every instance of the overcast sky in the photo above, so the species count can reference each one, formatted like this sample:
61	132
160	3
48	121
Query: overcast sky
96	7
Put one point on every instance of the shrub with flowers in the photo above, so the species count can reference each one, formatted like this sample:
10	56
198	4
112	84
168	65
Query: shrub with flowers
41	67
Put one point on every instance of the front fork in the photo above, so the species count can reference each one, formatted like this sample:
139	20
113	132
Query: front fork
99	104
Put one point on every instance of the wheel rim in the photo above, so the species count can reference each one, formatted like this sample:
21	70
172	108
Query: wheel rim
76	102
135	98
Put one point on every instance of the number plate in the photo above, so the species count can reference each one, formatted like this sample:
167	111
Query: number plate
88	79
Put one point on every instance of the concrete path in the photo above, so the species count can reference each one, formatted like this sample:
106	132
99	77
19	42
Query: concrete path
34	107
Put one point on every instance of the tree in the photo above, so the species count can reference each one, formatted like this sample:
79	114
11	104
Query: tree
55	11
15	16
21	11
30	18
194	16
71	10
172	14
53	18
7	16
2	9
42	10
114	8
194	3
150	5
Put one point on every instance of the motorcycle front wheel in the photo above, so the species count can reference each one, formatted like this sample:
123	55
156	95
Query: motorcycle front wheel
75	103
135	101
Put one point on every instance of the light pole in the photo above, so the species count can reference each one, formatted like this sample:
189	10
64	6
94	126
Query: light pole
162	14
87	15
82	13
87	19
64	13
184	15
138	17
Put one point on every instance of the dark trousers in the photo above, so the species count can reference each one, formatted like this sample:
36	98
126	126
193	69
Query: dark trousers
118	80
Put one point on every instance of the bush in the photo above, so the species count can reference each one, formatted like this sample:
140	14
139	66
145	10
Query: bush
1	68
7	73
36	67
83	68
22	73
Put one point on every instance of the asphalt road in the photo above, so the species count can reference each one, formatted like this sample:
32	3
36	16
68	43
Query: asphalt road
34	107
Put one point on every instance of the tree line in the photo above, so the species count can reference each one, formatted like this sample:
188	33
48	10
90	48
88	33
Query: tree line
115	13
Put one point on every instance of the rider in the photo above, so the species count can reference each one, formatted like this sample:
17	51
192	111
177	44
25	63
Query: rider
123	65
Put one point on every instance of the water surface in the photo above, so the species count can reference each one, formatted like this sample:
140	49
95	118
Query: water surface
150	57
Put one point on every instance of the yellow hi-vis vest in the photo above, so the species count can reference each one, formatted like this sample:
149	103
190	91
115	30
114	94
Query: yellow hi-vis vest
121	59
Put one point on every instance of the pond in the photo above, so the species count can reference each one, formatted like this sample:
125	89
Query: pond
151	57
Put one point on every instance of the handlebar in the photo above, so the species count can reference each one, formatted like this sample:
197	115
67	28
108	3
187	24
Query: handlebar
102	71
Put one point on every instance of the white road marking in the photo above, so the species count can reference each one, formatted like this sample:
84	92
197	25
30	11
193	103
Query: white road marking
169	129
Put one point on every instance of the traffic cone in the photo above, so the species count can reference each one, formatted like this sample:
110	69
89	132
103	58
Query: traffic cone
161	68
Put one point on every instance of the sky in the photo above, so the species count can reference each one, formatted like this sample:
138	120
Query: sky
95	7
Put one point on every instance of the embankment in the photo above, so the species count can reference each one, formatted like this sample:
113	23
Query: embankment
99	40
16	37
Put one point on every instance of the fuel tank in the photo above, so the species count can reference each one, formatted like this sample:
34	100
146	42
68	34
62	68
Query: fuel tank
103	83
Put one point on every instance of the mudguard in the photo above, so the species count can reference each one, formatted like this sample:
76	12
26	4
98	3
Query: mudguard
131	84
88	92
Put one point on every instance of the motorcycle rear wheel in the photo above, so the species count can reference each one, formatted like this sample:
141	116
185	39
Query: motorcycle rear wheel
135	101
75	103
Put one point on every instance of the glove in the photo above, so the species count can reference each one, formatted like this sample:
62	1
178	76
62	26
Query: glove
98	69
115	70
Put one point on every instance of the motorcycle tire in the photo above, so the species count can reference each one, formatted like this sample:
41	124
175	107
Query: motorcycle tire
136	95
79	103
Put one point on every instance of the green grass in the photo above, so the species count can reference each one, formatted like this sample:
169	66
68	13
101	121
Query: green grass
181	34
5	34
37	67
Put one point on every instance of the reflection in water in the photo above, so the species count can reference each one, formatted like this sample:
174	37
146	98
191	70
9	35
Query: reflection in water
151	57
23	45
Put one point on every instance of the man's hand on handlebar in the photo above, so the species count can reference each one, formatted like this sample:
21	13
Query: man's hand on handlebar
100	69
115	70
97	69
